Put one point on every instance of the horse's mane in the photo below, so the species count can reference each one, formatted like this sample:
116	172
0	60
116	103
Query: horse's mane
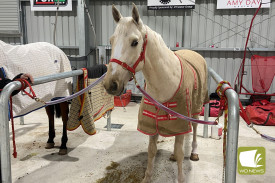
158	38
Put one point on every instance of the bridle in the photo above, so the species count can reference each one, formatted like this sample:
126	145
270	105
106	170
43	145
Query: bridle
141	57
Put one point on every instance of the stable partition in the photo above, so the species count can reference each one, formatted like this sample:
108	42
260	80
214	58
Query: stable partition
232	138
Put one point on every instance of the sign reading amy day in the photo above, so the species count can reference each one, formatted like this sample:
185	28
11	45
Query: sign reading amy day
170	4
51	5
235	4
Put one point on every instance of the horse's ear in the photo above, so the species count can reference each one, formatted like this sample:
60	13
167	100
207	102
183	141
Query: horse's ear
116	14
135	14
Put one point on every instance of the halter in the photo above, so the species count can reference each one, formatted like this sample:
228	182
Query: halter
140	58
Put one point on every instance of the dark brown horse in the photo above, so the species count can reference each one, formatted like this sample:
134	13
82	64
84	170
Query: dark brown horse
60	110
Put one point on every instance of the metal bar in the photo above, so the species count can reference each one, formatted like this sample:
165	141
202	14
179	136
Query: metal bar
4	119
83	29
109	125
22	120
4	131
267	94
233	129
236	49
55	77
206	112
205	127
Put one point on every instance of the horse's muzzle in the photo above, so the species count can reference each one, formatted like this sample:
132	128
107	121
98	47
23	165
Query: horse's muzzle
113	88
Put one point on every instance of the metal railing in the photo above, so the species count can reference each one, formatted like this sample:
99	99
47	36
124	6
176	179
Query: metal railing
232	138
232	129
4	118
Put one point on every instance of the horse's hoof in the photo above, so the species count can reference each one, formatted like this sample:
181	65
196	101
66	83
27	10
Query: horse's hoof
49	145
172	158
194	157
62	151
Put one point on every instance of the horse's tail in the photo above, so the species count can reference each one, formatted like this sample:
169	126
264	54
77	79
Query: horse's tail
57	110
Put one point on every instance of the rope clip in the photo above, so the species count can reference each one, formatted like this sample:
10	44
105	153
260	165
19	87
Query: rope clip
250	125
39	100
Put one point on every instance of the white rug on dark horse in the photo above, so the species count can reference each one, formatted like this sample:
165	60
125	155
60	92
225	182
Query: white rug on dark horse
38	59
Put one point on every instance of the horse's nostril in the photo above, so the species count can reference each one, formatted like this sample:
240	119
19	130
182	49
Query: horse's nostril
114	86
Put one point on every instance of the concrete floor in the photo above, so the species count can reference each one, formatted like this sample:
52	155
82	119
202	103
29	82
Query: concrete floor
120	155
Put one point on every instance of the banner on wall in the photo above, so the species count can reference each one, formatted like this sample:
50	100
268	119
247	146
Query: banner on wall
170	4
235	4
51	5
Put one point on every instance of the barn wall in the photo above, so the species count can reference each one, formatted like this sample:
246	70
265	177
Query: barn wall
219	35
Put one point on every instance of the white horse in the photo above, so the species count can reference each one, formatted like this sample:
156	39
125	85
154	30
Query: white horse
39	59
176	79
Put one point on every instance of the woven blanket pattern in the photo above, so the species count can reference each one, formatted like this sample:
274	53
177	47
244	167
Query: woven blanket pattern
38	59
90	106
188	100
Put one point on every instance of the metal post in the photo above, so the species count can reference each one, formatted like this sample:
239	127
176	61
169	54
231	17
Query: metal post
205	127
22	120
232	131
232	137
109	121
83	30
4	131
4	119
206	112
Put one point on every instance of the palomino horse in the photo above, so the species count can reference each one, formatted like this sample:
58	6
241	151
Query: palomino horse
39	59
176	79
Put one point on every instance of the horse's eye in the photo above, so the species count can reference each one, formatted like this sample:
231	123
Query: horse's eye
134	43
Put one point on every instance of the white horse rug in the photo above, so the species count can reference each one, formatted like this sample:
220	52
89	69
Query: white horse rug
38	59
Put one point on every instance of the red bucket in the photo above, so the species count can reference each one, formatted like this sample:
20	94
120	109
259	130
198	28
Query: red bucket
125	99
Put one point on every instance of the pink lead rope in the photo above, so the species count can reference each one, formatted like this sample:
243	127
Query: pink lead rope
173	113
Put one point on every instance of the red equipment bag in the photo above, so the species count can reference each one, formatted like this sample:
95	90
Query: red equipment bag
214	106
261	113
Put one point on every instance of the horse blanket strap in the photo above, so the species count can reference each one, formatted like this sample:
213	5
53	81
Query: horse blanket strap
173	113
140	58
90	106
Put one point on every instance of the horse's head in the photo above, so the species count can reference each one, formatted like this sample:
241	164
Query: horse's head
128	42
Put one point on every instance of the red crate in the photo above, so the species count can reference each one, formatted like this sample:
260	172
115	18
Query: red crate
125	99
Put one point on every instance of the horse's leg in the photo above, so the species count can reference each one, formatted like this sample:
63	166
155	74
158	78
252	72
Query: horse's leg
64	113
152	151
179	156
50	113
194	154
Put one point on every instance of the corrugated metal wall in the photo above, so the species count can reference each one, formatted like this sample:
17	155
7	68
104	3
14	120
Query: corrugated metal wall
9	17
198	29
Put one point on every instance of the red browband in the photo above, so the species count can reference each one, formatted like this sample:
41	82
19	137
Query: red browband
140	58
